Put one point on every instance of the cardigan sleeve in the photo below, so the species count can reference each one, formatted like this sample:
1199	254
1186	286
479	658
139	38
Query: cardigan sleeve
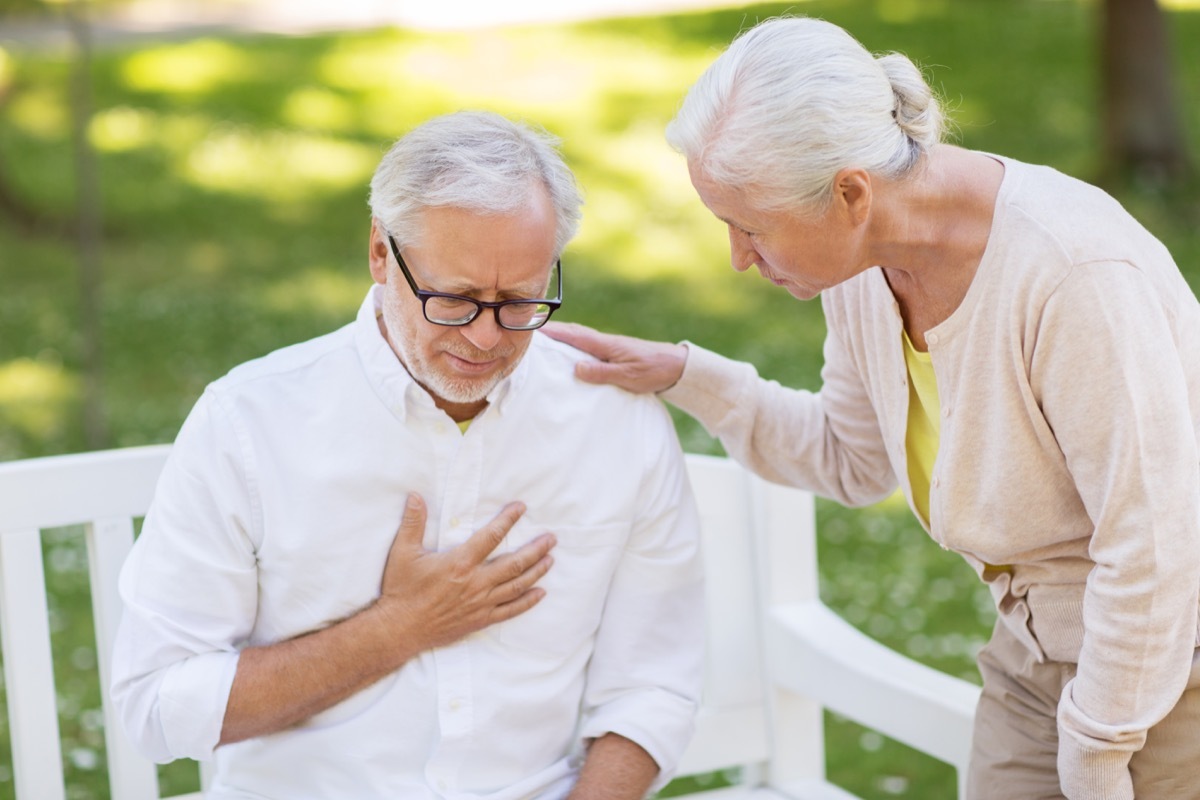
1109	375
828	442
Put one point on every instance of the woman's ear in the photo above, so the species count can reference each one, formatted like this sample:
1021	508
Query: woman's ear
852	194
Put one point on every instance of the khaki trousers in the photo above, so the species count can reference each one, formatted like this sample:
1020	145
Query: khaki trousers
1015	746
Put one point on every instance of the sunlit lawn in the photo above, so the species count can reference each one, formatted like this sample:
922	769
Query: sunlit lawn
234	174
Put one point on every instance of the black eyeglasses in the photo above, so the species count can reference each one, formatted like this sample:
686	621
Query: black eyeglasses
457	310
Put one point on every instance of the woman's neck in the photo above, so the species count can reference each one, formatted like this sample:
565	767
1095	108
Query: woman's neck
934	230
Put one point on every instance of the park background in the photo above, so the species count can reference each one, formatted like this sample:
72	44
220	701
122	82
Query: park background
189	191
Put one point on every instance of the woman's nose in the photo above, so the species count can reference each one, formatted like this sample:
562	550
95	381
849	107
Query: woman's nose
742	255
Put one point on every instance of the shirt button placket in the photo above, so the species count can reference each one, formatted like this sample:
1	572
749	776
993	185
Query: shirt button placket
455	718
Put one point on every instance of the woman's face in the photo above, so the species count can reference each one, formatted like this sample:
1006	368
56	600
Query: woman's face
802	254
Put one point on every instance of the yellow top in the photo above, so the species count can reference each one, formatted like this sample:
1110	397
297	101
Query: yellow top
466	423
924	429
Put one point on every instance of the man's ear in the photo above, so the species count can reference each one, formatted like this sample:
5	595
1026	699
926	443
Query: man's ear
852	194
377	253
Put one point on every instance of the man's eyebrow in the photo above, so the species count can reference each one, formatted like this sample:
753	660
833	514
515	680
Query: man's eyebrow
530	291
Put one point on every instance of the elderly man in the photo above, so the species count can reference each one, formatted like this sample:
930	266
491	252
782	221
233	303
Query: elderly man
414	558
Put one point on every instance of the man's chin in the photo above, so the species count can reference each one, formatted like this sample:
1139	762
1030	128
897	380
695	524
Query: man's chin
462	388
462	392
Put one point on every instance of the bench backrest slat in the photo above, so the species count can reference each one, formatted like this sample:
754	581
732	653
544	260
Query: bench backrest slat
731	730
130	776
28	667
751	528
785	548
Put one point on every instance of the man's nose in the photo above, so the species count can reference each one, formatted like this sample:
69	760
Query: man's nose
484	331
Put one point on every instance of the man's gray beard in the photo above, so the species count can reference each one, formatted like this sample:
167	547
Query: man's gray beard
439	384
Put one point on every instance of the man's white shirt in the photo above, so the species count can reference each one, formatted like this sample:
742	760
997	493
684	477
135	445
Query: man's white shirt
274	518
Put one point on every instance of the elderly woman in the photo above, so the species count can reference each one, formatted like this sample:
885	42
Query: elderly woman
1005	343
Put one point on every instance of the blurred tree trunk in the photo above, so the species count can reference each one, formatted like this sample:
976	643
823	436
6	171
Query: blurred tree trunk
1142	133
88	221
28	218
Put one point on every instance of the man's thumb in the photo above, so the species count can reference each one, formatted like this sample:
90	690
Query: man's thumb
412	525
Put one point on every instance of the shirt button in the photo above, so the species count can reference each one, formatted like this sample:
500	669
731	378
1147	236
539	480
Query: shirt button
441	786
439	428
931	338
454	522
455	704
937	481
946	412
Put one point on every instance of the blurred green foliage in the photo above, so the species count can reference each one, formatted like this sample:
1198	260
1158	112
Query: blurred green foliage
234	173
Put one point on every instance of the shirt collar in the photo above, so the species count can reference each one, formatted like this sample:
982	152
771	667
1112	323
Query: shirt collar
391	381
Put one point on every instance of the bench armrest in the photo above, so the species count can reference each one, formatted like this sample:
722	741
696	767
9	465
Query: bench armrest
812	651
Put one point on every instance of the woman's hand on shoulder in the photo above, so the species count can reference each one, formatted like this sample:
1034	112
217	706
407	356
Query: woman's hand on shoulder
636	365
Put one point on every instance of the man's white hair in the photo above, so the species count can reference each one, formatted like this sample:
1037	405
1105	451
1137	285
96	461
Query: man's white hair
474	160
795	100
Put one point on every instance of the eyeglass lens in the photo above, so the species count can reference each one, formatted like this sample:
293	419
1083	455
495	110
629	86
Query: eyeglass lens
455	311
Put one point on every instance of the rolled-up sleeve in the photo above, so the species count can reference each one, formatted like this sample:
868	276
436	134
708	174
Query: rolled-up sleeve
645	676
189	591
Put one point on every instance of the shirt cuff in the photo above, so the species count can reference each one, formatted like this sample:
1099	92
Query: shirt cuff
192	701
659	722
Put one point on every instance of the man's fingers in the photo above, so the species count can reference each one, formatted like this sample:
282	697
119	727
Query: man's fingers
412	524
513	608
488	538
521	581
527	557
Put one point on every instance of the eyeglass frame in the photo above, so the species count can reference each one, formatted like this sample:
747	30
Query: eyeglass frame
425	296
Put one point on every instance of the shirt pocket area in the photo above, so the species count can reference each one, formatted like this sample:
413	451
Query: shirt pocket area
577	584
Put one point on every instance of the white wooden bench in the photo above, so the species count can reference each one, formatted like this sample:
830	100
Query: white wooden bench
776	656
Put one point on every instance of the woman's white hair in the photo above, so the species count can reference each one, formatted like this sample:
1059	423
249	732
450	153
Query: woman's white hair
795	100
474	160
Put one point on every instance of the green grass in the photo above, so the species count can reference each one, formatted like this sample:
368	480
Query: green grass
234	173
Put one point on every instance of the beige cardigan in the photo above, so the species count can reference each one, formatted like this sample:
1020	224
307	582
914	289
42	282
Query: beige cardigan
1069	380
